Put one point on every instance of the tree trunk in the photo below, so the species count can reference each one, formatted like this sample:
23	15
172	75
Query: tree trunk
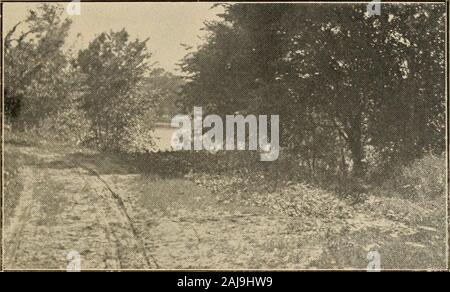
355	141
358	167
357	153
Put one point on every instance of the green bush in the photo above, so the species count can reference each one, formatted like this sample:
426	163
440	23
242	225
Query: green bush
425	178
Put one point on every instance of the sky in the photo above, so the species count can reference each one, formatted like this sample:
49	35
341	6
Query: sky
167	25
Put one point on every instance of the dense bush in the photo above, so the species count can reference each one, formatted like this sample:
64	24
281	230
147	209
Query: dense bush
424	178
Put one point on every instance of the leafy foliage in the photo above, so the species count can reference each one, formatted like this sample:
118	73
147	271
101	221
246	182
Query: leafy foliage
37	72
167	87
344	83
113	96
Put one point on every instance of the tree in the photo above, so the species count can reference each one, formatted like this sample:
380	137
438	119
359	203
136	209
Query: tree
114	99
336	76
167	87
36	70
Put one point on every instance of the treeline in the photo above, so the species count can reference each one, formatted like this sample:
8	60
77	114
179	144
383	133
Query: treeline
356	93
106	95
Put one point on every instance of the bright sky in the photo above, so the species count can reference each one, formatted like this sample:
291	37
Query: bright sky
166	24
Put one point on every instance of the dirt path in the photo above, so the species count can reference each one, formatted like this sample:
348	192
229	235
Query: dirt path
109	219
117	218
64	207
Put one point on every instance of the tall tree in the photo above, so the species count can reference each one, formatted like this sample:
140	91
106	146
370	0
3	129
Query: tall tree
36	69
334	74
114	99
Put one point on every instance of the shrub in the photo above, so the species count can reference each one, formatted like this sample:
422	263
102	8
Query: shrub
422	179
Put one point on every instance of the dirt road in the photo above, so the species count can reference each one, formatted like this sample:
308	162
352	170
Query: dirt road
117	219
102	209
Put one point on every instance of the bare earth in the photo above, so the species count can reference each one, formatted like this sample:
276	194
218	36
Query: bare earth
116	218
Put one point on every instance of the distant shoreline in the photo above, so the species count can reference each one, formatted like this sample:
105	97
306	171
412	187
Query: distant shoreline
163	124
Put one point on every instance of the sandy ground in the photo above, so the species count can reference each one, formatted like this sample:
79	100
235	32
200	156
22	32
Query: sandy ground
67	205
117	218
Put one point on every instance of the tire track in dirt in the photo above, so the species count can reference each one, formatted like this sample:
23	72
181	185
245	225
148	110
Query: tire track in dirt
32	241
125	215
13	233
111	235
118	245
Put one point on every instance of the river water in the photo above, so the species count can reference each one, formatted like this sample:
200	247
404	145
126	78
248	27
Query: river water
162	136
